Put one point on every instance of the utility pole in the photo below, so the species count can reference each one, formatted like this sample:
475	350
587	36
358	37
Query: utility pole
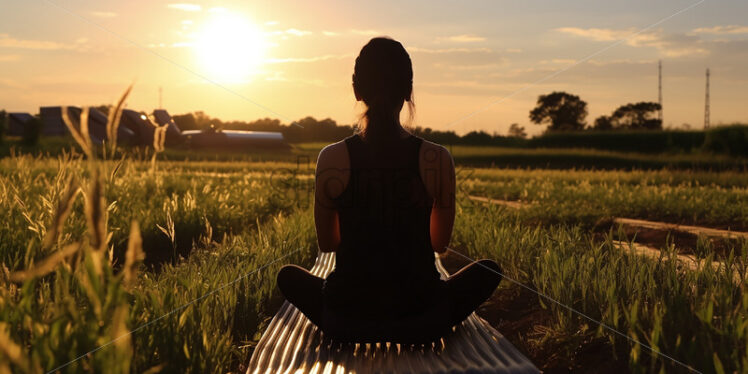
659	89
706	103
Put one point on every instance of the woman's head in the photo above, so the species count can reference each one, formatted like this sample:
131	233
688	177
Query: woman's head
383	80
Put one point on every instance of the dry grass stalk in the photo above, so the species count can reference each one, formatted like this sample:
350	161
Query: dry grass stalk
95	215
64	205
46	265
11	351
83	141
134	254
113	120
159	139
83	123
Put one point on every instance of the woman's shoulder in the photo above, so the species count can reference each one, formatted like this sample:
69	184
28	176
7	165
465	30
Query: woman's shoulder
433	153
334	155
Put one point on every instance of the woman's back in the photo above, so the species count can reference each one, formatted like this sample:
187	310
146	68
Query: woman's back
385	262
385	203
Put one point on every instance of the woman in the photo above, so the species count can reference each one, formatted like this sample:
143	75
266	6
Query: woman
384	202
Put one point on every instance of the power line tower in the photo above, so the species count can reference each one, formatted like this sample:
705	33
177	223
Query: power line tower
659	89
706	103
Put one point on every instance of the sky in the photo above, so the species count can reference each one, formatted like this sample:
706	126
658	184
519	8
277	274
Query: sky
478	65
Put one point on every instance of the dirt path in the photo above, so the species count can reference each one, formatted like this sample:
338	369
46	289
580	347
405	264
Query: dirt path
656	233
637	223
506	203
690	262
693	230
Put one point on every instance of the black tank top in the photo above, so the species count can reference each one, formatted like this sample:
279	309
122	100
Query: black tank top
385	262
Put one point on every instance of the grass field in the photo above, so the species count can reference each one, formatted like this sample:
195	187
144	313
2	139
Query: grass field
94	249
466	156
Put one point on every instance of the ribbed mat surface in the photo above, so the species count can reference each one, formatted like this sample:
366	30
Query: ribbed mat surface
292	344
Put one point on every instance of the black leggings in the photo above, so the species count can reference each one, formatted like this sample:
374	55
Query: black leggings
466	289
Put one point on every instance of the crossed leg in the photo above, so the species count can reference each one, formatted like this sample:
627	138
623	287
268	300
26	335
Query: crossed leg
467	289
302	289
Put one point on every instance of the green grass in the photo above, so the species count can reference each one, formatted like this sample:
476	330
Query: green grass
697	317
587	197
464	155
570	158
231	218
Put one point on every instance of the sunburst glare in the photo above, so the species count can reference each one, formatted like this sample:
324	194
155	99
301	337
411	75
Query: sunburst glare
230	47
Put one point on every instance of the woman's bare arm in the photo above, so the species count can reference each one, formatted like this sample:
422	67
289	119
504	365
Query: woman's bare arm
331	177
438	174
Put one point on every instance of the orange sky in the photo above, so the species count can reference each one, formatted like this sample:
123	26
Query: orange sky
240	60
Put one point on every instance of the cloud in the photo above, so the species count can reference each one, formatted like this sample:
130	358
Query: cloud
170	45
622	62
294	32
308	59
472	67
186	7
722	30
297	32
6	41
9	83
365	32
671	45
329	33
464	38
102	14
560	61
6	58
448	50
595	33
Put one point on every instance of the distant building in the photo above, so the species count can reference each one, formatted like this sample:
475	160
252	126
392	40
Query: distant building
53	125
136	128
234	139
16	123
173	132
140	125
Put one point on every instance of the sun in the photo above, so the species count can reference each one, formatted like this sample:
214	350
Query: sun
230	48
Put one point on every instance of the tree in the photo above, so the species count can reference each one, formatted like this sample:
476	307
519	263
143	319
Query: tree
3	123
104	108
637	116
517	131
32	130
185	121
603	123
477	138
561	111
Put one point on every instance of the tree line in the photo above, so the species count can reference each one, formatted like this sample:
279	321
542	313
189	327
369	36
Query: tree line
563	111
310	129
559	111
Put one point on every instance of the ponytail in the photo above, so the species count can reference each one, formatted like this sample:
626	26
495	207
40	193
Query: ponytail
383	78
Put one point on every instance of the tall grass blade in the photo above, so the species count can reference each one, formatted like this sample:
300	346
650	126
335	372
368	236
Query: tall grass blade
83	142
134	254
113	120
45	266
64	205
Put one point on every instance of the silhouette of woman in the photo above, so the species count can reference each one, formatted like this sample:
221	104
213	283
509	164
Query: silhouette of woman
384	202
